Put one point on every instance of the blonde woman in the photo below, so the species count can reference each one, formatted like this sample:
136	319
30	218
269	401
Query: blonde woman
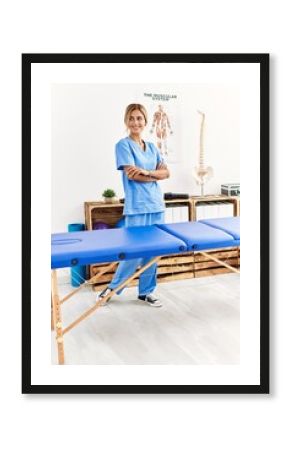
142	167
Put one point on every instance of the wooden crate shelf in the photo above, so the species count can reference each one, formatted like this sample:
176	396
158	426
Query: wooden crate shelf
109	213
198	200
173	267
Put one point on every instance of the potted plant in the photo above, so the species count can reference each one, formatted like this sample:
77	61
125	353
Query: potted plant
109	196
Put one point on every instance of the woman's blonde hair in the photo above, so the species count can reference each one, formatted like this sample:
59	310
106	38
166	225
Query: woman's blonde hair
131	108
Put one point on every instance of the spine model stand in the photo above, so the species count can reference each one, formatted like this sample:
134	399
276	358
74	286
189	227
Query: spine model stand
202	173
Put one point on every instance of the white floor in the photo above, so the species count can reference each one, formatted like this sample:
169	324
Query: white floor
199	323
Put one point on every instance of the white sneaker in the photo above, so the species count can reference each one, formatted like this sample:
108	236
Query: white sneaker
150	299
103	294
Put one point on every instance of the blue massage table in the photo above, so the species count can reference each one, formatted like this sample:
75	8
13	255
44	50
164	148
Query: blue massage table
115	245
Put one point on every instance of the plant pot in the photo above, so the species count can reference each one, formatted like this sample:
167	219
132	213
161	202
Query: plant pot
110	199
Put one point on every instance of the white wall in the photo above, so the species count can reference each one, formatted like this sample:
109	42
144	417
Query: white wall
87	121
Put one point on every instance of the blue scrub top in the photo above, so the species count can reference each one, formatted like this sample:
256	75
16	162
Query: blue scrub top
140	198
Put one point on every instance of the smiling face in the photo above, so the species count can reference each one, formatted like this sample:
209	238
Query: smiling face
135	119
136	122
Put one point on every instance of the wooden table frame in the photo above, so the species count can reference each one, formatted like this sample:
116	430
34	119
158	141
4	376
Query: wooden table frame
56	301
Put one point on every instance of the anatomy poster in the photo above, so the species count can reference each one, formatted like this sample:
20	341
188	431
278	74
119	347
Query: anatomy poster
162	123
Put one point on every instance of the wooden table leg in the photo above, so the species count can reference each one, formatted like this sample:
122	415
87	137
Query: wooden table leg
57	317
52	320
89	311
207	255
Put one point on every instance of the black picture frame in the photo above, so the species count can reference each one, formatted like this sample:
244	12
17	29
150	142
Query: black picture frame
263	61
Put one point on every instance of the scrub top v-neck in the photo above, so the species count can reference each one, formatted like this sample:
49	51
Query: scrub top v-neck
140	197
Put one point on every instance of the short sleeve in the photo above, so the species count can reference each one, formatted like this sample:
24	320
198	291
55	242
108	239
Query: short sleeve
124	155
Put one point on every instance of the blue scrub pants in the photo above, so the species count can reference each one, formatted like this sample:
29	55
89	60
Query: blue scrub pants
147	279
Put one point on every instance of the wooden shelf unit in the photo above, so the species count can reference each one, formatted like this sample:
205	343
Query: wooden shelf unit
173	267
198	200
111	213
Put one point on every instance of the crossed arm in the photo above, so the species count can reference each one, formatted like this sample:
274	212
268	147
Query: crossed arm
143	175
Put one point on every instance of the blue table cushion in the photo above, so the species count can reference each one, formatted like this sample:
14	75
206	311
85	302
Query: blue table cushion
89	247
230	225
199	236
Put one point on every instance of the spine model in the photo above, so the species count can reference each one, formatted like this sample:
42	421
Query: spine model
202	173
